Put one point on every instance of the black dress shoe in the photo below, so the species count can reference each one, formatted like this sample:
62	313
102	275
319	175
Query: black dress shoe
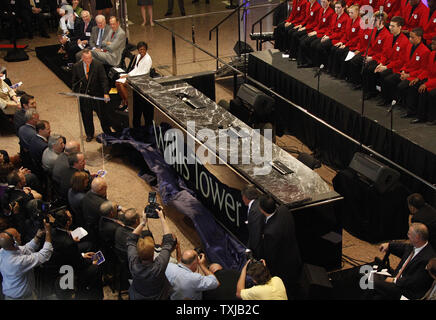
88	139
45	35
168	14
305	65
383	103
183	13
413	121
406	115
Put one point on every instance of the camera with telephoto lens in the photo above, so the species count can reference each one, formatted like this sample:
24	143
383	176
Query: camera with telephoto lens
39	211
151	209
249	257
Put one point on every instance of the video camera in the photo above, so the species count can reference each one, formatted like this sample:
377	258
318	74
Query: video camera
151	209
249	256
39	210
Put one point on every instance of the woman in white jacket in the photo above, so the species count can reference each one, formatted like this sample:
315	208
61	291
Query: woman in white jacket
141	66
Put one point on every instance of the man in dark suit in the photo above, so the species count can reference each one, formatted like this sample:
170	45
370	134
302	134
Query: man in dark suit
278	244
254	216
424	213
62	160
81	34
26	133
76	162
91	207
39	141
89	77
410	279
27	101
67	251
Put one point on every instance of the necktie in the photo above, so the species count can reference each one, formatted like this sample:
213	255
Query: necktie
405	264
32	3
86	27
112	36
87	70
99	37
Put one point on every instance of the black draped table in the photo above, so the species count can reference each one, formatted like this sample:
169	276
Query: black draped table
309	198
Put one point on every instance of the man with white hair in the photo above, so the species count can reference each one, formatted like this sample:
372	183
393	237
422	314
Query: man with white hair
56	146
98	34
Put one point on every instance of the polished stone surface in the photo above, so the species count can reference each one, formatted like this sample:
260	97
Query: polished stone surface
302	186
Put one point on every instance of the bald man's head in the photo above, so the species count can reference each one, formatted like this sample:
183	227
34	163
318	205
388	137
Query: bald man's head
72	147
190	259
99	186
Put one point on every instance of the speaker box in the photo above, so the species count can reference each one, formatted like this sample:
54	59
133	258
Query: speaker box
256	100
242	47
374	172
314	283
309	160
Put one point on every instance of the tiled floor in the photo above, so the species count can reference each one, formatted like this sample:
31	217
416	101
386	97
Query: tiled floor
125	187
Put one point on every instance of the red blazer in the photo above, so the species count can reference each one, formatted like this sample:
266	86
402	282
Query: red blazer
430	28
417	19
364	35
325	19
293	12
394	60
300	12
381	46
415	63
429	71
392	8
351	37
337	27
312	13
375	4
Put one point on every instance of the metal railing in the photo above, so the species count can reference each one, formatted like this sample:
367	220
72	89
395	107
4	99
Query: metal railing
259	43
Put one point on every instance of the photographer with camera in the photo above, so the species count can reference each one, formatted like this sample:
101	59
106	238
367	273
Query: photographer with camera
149	280
265	288
187	283
17	262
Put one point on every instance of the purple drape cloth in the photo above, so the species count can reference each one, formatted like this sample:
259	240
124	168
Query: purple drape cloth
220	246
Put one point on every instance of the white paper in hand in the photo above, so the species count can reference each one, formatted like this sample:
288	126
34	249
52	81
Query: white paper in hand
119	70
79	233
121	80
350	55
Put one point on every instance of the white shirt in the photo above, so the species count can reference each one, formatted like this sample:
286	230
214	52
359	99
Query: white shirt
248	211
269	217
143	67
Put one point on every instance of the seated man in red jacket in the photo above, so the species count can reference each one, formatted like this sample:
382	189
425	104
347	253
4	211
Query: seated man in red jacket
413	60
326	14
339	51
415	13
307	25
430	26
298	13
420	97
372	70
321	47
381	42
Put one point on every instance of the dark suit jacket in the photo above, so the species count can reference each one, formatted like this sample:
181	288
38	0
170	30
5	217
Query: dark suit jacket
42	4
227	289
97	83
37	147
107	228
427	216
79	32
60	164
26	134
19	119
65	180
91	208
415	280
278	246
255	217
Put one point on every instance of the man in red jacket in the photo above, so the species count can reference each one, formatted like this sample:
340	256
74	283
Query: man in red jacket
372	70
421	94
295	17
413	61
307	25
415	13
326	14
430	26
381	40
339	51
321	47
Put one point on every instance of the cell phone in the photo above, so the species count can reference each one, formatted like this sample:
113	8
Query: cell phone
98	257
152	197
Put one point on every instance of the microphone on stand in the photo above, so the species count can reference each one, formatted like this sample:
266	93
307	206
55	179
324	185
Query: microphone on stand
318	72
394	102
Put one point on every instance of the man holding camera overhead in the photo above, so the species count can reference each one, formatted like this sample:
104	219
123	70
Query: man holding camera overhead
149	280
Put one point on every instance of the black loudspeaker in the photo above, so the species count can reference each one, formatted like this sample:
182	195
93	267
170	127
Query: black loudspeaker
374	172
254	99
242	47
314	283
